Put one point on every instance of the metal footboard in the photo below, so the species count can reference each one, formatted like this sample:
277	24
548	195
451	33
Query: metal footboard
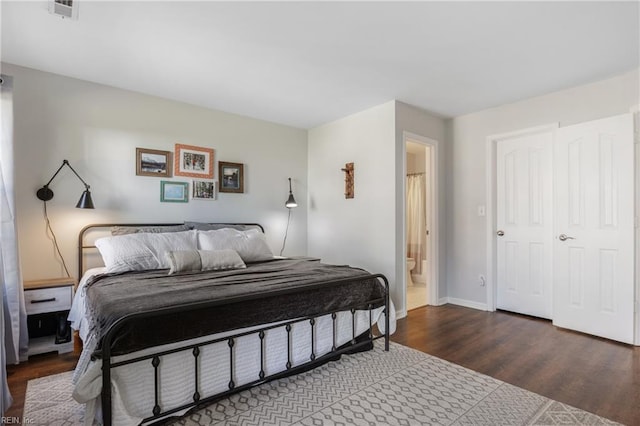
105	353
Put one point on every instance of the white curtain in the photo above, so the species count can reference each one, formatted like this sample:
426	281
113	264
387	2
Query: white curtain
416	219
14	318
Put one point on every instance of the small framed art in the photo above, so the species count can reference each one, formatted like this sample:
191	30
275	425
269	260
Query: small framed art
193	161
151	162
203	190
174	192
231	177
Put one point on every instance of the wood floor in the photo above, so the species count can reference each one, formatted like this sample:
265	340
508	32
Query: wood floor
596	375
593	374
37	366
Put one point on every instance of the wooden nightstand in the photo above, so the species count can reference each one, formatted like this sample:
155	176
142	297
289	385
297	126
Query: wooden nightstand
47	304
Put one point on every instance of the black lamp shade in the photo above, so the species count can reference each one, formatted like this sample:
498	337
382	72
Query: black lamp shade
291	202
85	200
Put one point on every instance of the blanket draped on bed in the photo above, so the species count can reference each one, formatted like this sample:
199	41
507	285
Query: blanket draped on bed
264	292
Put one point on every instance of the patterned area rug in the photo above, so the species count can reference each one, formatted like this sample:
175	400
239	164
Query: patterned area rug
400	387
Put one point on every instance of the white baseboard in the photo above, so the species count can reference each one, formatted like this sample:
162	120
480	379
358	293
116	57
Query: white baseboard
401	313
442	301
467	303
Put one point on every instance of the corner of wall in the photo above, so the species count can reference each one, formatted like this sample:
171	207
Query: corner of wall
340	229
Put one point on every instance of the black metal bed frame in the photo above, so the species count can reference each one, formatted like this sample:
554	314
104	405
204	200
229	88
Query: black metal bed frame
157	414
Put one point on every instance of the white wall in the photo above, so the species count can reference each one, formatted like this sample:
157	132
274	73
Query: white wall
358	231
417	160
415	164
97	128
466	187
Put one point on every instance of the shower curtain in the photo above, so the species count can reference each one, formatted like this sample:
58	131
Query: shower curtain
416	219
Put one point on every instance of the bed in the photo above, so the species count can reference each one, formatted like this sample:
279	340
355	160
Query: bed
170	337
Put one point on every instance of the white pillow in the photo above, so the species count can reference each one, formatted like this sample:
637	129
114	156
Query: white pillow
203	260
251	244
138	252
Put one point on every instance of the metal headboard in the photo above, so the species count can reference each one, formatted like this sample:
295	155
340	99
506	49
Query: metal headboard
82	247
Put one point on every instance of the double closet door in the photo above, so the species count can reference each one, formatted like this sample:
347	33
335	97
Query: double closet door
565	226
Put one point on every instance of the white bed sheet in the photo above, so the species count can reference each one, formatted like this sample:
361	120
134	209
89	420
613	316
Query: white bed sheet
132	385
77	313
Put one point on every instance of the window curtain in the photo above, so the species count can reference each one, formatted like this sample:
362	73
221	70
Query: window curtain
416	219
14	318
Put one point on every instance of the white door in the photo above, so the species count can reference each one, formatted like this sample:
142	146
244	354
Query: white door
525	224
594	245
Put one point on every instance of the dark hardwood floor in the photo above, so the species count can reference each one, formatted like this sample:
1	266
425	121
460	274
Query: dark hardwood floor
593	374
37	366
596	375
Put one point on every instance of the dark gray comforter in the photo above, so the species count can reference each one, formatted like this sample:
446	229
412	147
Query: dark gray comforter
221	300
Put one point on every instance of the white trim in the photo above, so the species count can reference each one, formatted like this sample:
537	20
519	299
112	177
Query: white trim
635	111
490	167
467	303
401	314
434	233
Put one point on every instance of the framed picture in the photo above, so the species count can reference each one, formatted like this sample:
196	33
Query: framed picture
193	161
151	162
174	192
231	177
203	190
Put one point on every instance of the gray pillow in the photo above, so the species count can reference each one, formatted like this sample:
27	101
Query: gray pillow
203	260
125	230
202	226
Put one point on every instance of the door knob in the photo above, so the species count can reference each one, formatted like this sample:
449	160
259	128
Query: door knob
500	233
563	237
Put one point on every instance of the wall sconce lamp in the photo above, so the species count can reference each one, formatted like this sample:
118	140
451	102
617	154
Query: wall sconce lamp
46	194
290	204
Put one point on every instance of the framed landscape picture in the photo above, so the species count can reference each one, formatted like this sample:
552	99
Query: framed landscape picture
193	161
151	162
203	190
174	192
231	176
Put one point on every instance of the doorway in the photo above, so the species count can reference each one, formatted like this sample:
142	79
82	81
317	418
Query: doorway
420	218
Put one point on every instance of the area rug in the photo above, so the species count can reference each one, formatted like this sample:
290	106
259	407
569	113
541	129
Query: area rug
399	387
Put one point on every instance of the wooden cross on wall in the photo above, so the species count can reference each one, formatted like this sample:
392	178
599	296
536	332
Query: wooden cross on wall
348	180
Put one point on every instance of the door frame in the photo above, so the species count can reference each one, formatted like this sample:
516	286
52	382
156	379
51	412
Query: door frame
491	208
433	241
635	112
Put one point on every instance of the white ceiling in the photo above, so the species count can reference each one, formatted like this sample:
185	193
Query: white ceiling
307	63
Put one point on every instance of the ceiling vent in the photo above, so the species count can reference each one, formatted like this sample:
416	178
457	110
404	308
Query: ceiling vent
64	8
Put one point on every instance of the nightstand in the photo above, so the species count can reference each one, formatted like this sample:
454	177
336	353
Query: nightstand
48	303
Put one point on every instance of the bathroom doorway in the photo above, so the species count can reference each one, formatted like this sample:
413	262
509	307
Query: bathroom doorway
419	221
